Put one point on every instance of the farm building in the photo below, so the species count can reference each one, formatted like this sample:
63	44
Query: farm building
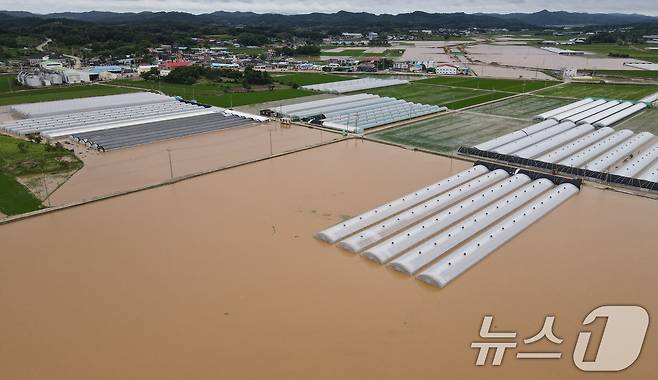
447	69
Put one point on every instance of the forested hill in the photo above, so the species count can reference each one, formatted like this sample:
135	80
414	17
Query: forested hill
345	19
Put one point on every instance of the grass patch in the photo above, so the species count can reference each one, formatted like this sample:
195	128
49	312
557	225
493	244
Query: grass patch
526	106
647	74
475	100
446	133
8	83
507	85
21	157
454	98
388	53
59	93
185	90
637	51
246	98
304	79
15	198
217	94
646	121
609	91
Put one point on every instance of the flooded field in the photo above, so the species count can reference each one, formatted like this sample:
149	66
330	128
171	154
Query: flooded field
528	56
126	169
220	277
508	72
446	133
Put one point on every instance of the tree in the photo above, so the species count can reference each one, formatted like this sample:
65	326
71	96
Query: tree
252	76
251	39
183	75
152	74
307	50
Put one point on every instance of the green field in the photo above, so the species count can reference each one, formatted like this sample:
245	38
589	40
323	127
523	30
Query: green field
185	90
388	53
15	198
454	98
505	85
647	74
8	83
608	91
524	107
20	158
246	98
216	93
636	51
646	121
34	158
446	133
59	93
304	79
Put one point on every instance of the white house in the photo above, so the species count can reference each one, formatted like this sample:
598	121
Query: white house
447	69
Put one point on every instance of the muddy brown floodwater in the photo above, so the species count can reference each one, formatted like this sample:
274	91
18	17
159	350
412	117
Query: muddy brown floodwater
219	277
127	169
530	56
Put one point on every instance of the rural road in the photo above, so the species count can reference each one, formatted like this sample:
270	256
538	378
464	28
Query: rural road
73	57
43	44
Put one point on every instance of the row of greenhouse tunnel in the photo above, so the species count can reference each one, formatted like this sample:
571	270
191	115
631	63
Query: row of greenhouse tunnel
440	231
417	233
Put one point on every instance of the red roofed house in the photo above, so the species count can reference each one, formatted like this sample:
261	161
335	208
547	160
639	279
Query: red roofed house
170	65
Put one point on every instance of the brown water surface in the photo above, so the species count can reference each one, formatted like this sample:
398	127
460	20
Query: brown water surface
219	277
127	169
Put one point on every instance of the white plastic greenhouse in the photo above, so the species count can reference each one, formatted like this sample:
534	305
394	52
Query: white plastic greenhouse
355	113
354	85
417	230
58	107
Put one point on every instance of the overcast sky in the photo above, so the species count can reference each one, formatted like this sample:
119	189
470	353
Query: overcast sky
649	7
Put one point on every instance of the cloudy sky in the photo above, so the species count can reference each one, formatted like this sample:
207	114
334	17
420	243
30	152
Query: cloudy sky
649	7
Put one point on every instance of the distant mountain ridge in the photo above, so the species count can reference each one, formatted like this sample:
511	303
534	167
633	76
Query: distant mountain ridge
548	18
343	18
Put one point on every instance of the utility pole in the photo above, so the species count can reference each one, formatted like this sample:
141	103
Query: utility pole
45	186
171	167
